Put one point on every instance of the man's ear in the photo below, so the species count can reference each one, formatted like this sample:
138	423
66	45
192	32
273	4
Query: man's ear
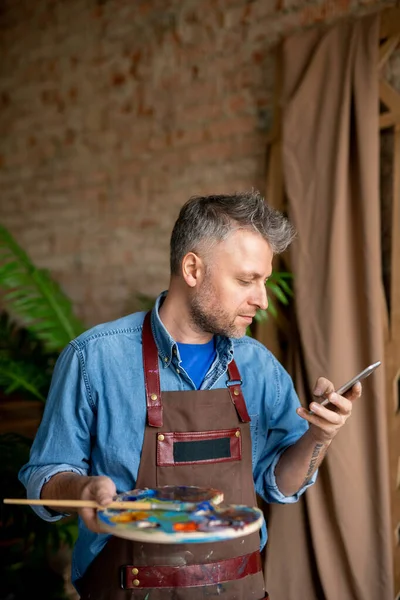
192	269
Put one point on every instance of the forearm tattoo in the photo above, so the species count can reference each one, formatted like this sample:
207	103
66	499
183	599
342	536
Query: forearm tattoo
313	463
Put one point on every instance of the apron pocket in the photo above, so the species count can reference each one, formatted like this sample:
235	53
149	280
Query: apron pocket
199	447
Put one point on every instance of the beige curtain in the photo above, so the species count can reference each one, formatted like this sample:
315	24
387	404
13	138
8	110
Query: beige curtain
335	543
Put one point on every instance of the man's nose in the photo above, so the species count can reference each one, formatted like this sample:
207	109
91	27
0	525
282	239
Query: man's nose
262	298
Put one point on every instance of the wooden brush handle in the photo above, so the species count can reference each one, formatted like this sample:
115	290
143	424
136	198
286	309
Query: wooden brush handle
133	505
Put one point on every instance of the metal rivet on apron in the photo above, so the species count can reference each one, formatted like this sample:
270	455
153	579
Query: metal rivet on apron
237	433
136	582
153	396
160	437
236	392
135	571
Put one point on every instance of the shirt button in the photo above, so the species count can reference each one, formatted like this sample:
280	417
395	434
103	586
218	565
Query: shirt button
174	351
178	371
166	359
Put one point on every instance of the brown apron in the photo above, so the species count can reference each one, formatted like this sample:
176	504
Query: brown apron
199	438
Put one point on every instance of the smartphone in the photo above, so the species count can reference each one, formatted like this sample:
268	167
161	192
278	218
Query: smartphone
349	384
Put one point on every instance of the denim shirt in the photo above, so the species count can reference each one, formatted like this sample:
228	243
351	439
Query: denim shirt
95	414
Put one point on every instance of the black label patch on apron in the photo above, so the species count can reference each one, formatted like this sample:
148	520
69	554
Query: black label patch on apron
200	447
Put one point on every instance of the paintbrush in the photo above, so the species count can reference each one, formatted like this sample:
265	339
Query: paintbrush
119	505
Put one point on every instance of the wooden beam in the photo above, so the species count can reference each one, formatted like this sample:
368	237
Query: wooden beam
387	48
389	119
395	251
389	96
392	353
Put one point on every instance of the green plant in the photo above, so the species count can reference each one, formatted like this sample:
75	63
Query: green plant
36	324
33	299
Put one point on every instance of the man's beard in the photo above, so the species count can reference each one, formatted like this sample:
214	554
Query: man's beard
207	317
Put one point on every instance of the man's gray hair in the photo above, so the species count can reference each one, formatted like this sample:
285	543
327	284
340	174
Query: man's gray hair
204	221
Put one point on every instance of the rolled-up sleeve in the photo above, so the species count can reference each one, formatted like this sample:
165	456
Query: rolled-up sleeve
273	494
64	432
285	427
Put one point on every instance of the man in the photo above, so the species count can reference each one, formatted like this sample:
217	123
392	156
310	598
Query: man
184	368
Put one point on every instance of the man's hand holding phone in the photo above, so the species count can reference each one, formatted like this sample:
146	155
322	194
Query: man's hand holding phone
329	415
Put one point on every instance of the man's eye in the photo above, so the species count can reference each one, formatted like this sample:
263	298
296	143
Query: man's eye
244	282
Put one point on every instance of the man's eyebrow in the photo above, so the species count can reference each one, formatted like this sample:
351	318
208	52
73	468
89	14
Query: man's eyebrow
253	275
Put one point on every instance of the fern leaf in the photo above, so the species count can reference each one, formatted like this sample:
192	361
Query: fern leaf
21	376
276	290
34	299
285	287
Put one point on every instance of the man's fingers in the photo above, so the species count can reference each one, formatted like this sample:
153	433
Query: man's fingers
323	386
322	416
101	489
343	405
354	393
327	420
104	497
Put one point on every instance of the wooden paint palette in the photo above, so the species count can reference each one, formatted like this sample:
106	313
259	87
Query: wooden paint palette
196	517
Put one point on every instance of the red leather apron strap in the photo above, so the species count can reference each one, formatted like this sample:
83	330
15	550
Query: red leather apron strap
190	575
235	391
151	375
152	380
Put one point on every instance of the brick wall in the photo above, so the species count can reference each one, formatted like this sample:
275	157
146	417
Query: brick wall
113	113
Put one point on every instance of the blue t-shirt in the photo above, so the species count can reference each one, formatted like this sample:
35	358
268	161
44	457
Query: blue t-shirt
196	359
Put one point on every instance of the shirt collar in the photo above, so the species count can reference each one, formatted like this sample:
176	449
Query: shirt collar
167	346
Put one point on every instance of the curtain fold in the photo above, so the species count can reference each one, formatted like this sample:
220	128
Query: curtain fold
336	542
